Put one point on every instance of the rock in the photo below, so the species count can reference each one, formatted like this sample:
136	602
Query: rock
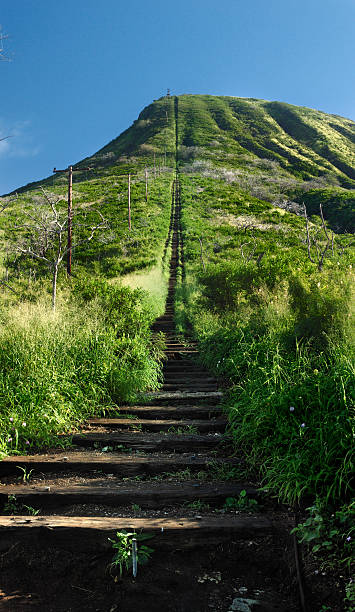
244	604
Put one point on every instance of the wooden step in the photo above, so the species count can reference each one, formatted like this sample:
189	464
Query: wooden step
184	352
152	442
182	365
189	377
193	386
160	425
188	396
92	533
89	461
153	495
175	412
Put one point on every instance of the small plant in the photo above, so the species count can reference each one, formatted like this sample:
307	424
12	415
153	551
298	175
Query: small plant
26	476
122	558
136	508
223	471
350	595
31	511
12	505
198	505
185	430
242	502
329	535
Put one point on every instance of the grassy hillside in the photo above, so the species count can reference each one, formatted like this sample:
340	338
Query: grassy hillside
59	367
267	292
274	151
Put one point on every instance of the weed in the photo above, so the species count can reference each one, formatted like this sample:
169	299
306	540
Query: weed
12	506
350	595
26	476
183	430
242	503
136	508
198	505
122	545
331	535
223	471
32	511
107	449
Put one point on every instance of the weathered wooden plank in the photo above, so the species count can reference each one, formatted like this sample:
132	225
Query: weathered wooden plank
158	425
88	533
124	465
185	395
153	495
150	442
175	412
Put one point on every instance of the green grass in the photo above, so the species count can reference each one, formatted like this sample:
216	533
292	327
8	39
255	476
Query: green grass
56	369
273	325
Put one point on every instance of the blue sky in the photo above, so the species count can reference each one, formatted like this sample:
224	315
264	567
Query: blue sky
82	70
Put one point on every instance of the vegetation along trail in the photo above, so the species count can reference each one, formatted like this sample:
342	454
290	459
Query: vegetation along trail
175	441
161	469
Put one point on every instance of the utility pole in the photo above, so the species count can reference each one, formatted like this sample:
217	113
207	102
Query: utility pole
129	202
146	185
155	170
70	210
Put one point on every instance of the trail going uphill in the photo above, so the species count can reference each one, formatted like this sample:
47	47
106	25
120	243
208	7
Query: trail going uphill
163	468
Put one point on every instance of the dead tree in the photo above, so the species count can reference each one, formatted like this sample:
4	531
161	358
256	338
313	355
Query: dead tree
45	239
319	251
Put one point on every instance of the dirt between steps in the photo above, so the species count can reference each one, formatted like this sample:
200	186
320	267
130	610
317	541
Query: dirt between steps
208	579
203	580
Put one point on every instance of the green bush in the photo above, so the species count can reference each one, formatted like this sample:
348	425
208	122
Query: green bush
321	305
56	369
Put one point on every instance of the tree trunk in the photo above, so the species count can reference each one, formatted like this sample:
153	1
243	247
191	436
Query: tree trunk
54	285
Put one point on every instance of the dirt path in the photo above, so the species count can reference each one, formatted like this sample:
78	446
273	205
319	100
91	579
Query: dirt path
162	468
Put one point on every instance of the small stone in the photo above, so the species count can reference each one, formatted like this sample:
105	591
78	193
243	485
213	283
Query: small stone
198	517
47	488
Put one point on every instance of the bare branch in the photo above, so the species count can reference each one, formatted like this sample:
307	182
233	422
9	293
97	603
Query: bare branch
323	222
5	284
308	236
32	254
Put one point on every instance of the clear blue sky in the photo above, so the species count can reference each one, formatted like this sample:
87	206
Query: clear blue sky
82	70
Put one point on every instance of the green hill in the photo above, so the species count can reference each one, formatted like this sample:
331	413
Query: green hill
266	292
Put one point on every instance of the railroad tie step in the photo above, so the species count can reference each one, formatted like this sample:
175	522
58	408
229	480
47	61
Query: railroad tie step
214	424
154	495
168	412
116	463
93	533
184	397
152	442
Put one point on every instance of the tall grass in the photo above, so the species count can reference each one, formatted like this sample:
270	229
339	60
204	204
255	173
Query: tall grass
287	351
56	369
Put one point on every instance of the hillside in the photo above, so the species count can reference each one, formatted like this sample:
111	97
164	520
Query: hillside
277	152
231	270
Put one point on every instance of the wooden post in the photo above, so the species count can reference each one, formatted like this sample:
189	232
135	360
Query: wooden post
129	202
70	210
70	218
146	185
